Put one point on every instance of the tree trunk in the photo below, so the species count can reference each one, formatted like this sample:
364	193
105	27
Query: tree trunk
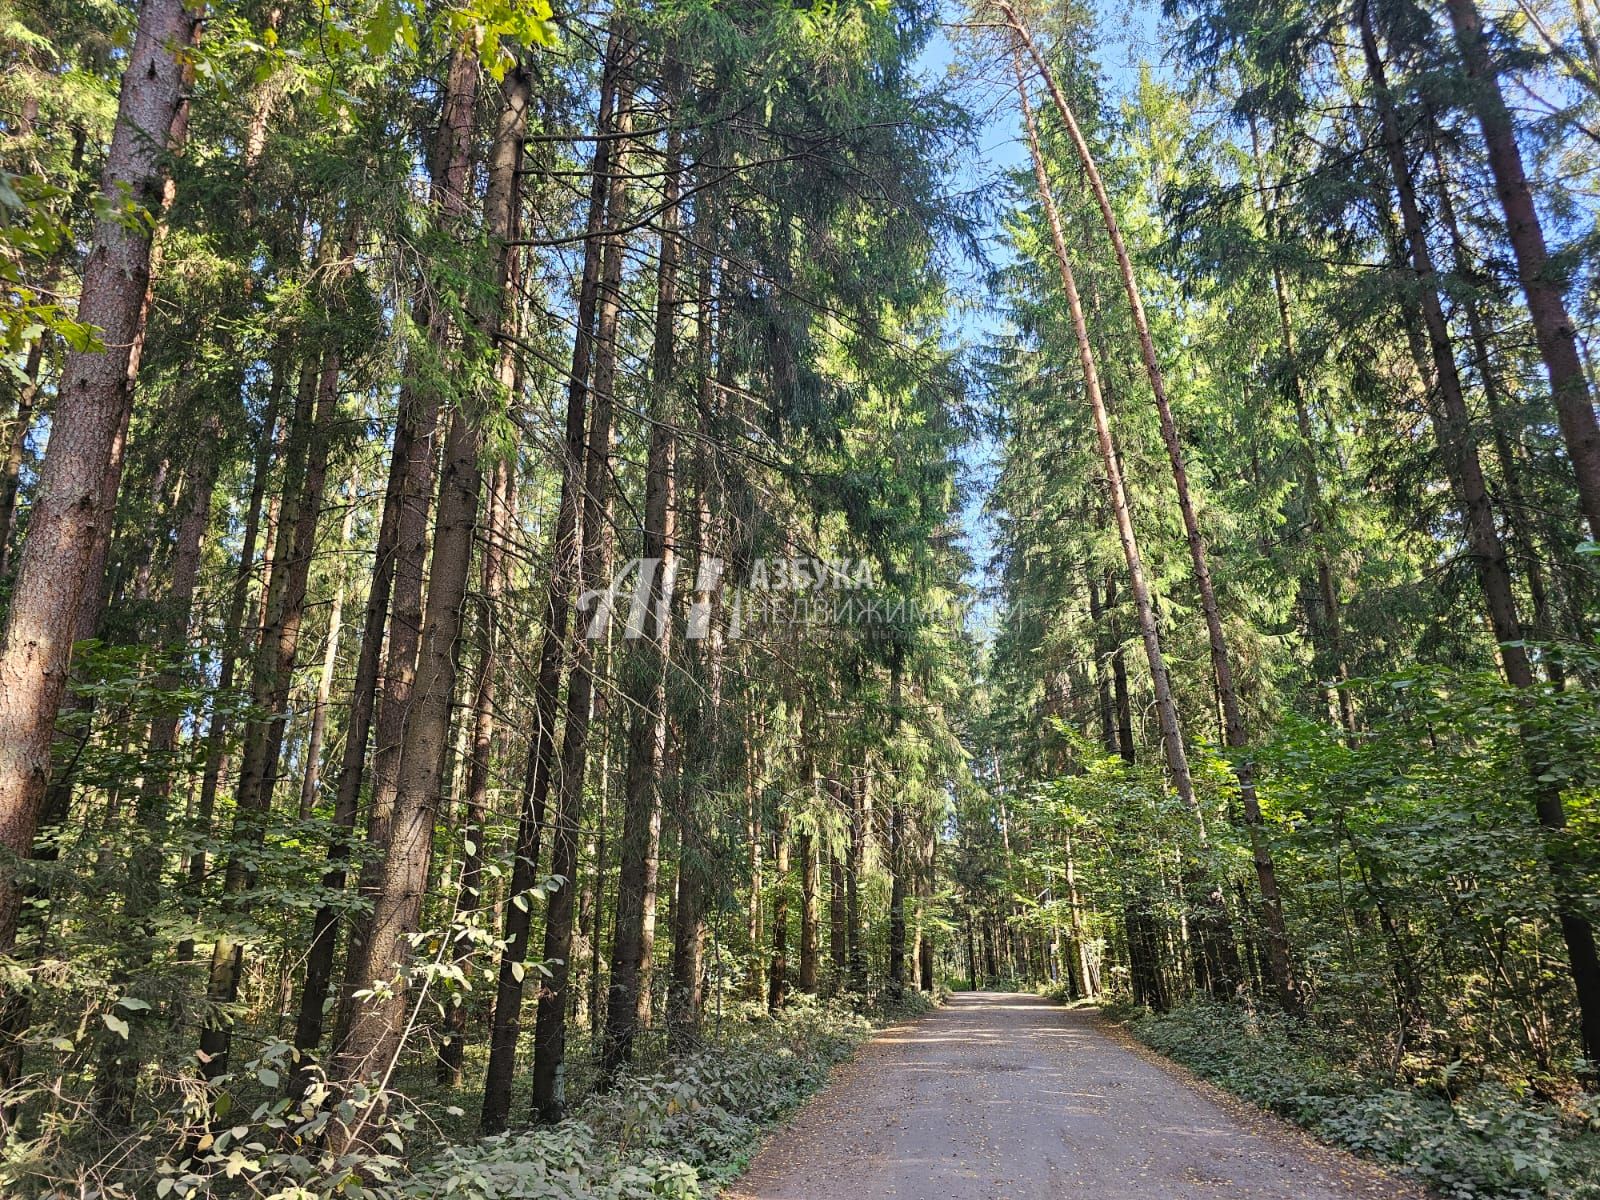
117	1078
837	945
633	942
1166	708
378	1026
597	917
1330	628
1119	675
972	949
469	898
70	509
564	582
1144	962
305	475
235	643
1235	732
448	193
1461	458
806	846
32	371
1518	513
310	782
685	997
352	763
778	970
1080	947
550	1027
703	744
1552	325
1219	936
156	794
1452	419
755	969
856	853
897	844
1103	645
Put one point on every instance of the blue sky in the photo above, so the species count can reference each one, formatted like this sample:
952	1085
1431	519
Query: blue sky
1127	35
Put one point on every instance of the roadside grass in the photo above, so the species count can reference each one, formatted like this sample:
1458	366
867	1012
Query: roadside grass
676	1131
1467	1139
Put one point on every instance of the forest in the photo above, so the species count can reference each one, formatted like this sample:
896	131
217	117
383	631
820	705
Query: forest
563	566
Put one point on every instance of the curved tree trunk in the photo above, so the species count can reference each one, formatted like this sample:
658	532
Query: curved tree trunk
1144	607
1236	734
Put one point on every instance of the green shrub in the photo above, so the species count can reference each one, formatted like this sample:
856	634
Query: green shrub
1484	1142
667	1132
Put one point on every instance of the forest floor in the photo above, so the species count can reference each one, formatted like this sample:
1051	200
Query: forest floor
1010	1097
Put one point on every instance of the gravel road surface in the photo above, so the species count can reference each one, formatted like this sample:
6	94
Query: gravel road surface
1010	1097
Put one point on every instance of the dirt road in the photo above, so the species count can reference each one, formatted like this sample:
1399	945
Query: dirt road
1006	1097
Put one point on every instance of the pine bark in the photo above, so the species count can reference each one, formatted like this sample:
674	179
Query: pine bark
550	1024
70	510
1452	421
778	966
378	1026
448	195
564	582
633	941
1553	327
469	899
305	478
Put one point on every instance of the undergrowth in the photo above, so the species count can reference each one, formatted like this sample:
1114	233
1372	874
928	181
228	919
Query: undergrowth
677	1132
1468	1140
